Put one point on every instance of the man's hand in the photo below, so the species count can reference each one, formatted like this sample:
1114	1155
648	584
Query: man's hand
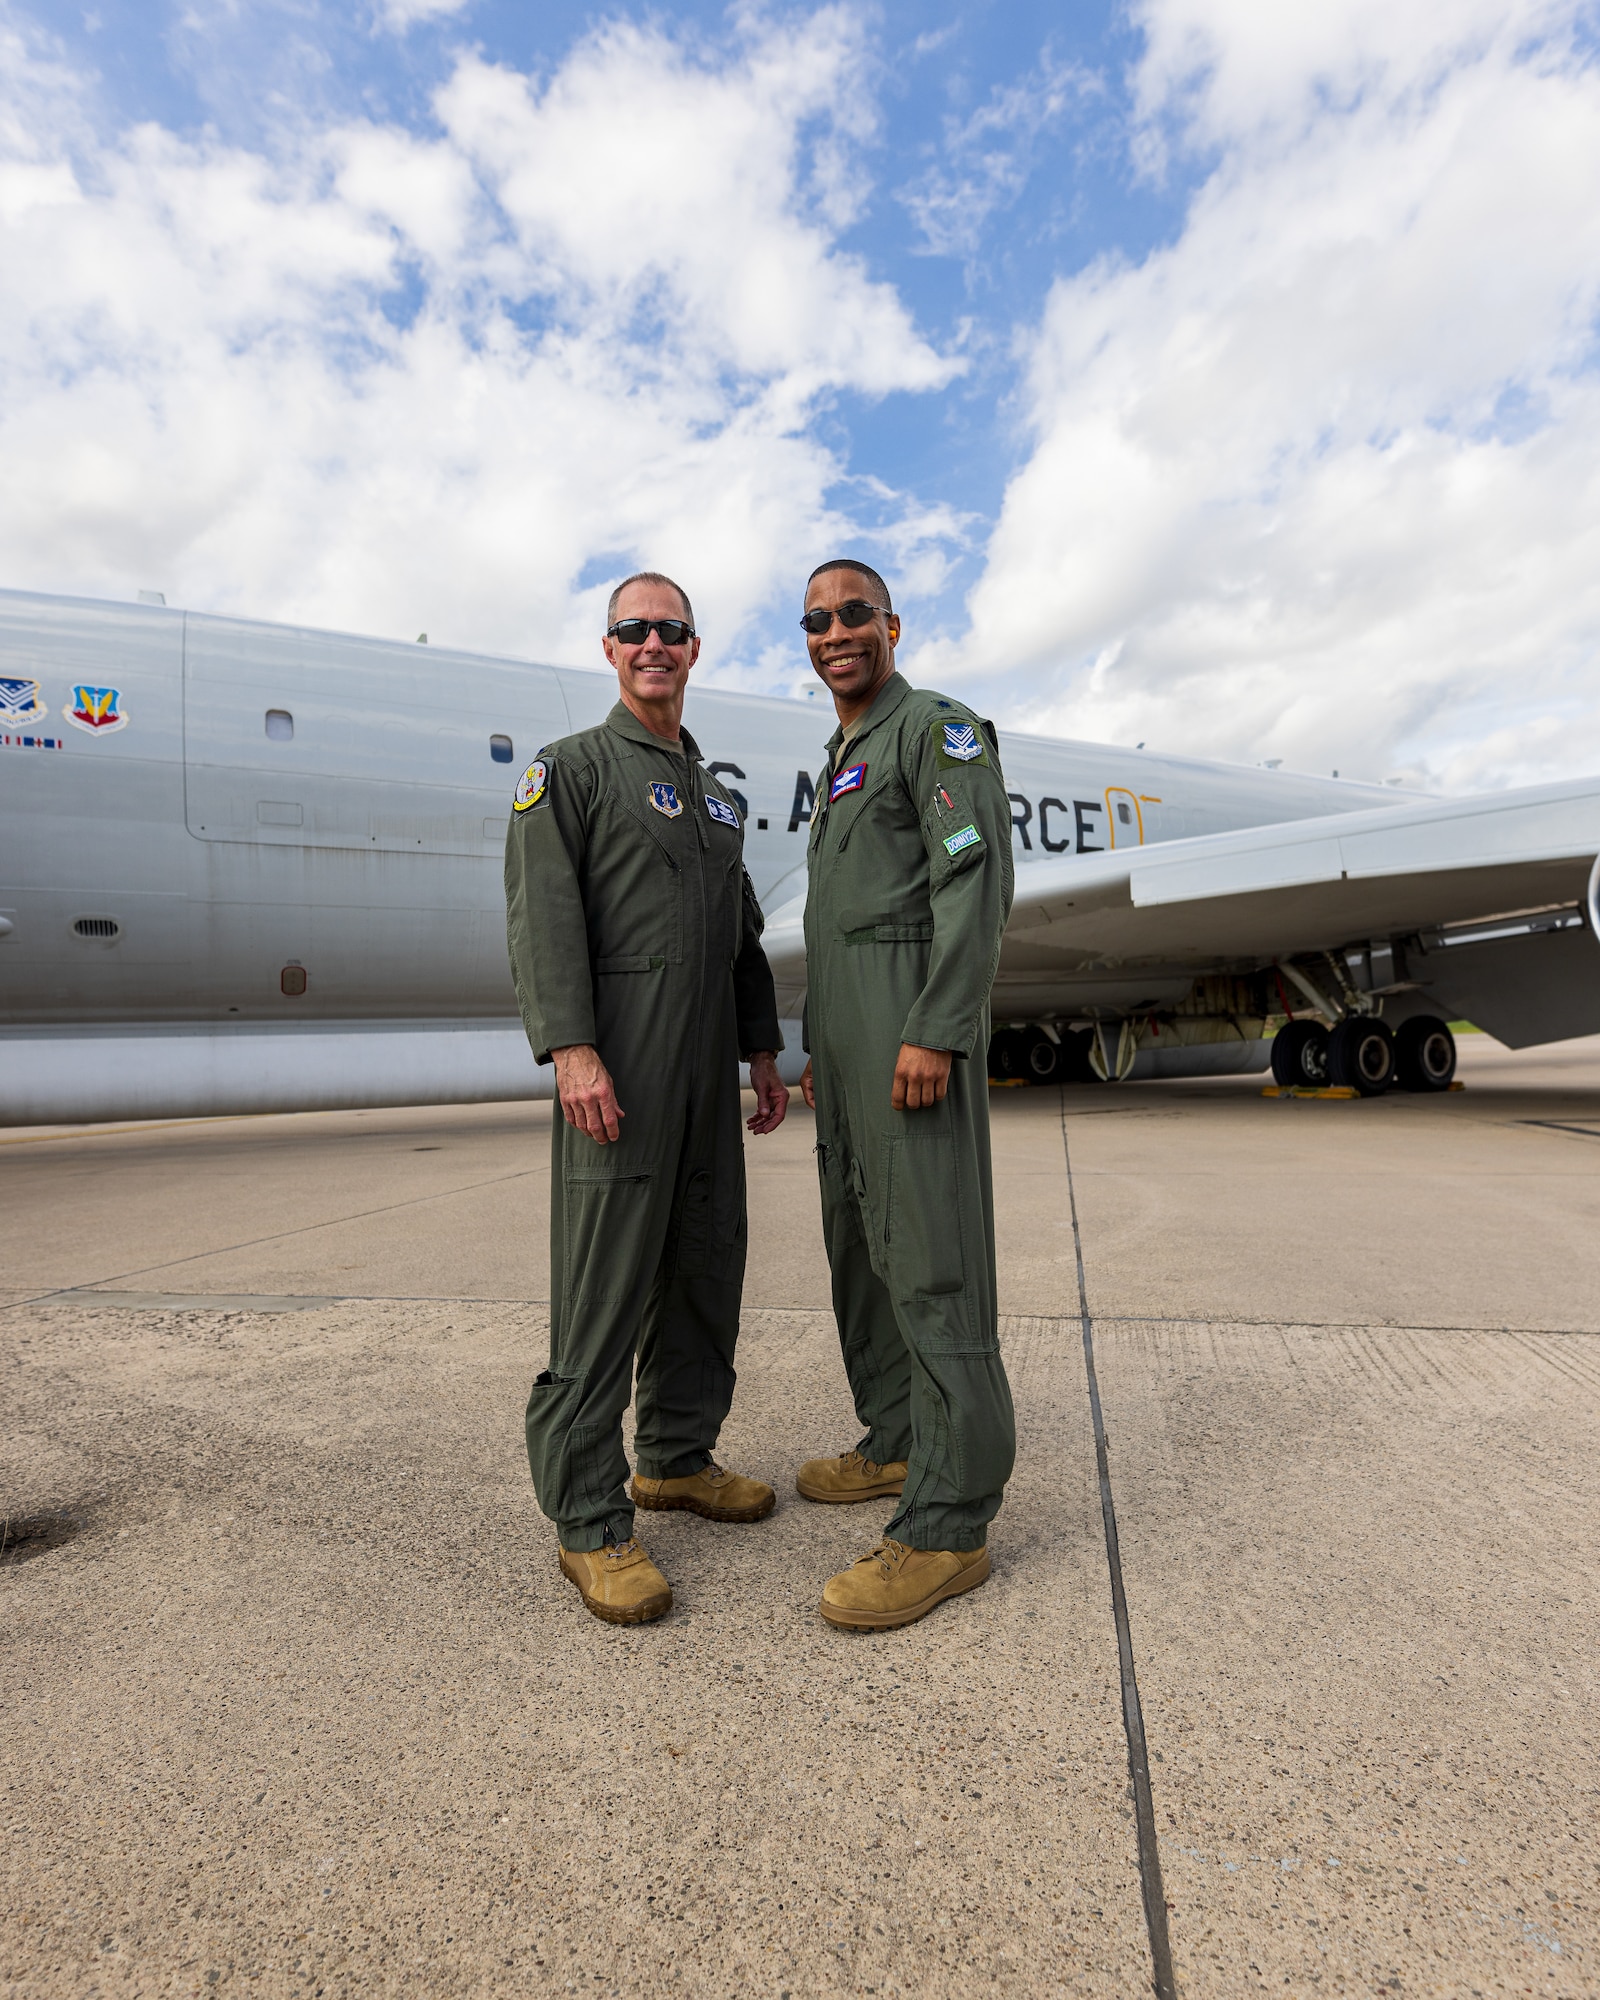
808	1088
583	1084
921	1077
772	1093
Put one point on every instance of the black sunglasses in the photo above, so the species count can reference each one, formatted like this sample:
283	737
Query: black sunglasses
634	631
857	612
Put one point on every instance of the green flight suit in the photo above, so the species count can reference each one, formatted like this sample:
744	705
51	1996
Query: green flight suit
632	925
909	890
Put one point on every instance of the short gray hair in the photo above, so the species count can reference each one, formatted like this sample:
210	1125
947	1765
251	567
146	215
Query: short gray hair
649	576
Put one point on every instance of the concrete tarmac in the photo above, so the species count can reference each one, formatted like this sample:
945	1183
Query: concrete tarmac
298	1703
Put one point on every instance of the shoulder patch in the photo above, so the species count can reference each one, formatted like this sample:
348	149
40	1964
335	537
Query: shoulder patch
721	811
532	786
959	743
969	836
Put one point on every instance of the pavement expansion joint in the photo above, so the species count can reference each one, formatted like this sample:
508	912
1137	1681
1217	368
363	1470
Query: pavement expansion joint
1153	1892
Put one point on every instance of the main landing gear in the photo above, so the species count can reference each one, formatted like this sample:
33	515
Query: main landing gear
1362	1055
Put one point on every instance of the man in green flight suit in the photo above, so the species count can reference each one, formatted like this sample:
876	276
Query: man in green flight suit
909	889
635	947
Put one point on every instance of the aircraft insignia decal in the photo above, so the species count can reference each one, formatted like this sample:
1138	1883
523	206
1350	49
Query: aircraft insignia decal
665	799
850	780
961	742
725	814
531	786
20	703
97	711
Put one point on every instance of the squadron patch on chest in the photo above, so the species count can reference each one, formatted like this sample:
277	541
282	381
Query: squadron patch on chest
959	743
851	779
665	799
531	786
721	812
969	836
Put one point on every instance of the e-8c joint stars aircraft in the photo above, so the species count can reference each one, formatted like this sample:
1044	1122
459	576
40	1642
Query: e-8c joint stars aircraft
251	867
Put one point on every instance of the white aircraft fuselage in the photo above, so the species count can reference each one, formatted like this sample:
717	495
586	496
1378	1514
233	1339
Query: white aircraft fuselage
255	867
254	801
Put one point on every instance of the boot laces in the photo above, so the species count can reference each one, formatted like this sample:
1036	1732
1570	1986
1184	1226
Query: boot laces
886	1554
615	1551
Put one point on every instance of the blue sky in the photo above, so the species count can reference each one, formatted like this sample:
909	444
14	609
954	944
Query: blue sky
1203	374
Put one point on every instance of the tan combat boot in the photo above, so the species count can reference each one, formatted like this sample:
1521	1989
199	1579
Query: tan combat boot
719	1495
895	1585
849	1477
619	1584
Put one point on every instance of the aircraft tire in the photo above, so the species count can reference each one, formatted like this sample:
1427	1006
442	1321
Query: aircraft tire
1300	1056
1424	1054
1008	1055
1361	1055
1041	1057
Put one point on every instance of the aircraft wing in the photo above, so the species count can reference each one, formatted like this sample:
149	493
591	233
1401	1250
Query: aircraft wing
1268	893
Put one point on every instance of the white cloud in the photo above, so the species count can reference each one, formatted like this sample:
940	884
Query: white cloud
990	154
393	381
400	16
1321	479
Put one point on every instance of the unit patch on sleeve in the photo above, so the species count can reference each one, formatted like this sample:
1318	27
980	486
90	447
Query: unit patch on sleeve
532	786
97	710
969	836
665	799
849	780
959	743
721	811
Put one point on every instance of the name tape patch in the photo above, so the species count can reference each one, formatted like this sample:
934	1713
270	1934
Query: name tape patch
851	779
969	836
721	812
531	786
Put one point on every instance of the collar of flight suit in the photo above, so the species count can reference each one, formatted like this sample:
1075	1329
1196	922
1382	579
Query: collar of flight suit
625	723
884	703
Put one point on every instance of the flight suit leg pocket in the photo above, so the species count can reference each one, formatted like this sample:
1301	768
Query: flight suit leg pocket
604	1219
548	1426
922	1219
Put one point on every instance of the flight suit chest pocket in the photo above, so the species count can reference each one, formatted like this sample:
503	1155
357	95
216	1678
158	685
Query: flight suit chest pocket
634	893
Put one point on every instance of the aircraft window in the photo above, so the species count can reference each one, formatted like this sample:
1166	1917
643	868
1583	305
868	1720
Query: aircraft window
1124	812
292	980
280	725
500	749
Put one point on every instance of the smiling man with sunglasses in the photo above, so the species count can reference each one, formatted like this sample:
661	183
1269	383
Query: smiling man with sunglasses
910	883
635	941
